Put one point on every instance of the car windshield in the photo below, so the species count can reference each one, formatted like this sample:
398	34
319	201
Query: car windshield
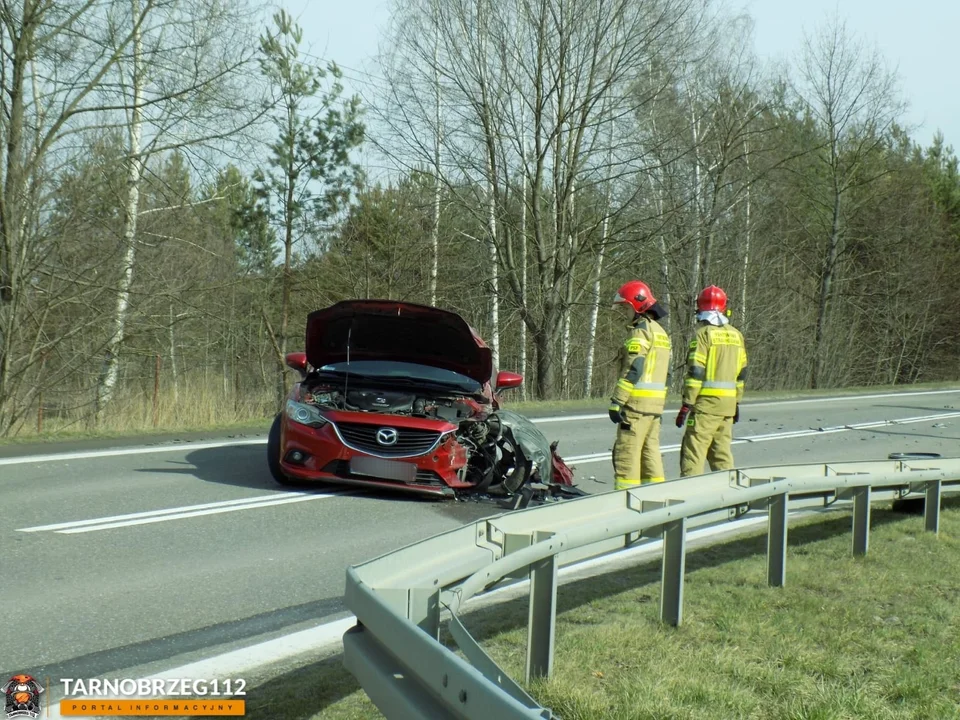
406	373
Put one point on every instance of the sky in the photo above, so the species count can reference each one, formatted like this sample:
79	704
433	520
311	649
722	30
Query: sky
916	39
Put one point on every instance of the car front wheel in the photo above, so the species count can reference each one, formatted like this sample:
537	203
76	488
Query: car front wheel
273	455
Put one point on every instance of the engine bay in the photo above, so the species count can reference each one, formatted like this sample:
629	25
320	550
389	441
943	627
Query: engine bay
395	402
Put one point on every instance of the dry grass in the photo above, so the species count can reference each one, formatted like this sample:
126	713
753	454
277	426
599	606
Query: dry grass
195	406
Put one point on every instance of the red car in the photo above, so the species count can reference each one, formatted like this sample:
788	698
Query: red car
399	396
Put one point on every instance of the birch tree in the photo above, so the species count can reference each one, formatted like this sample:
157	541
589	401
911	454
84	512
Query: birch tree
111	363
55	59
437	145
176	82
598	276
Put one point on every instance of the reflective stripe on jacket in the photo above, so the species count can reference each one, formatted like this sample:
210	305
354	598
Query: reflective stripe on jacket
644	364
716	370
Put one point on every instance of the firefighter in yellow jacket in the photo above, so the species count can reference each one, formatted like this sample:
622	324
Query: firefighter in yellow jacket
637	402
713	387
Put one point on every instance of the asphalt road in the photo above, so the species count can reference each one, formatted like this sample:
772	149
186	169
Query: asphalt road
89	590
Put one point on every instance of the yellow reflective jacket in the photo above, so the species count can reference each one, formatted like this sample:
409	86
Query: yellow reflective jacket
644	363
716	370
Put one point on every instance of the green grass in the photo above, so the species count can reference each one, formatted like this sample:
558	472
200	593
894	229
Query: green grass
873	638
320	689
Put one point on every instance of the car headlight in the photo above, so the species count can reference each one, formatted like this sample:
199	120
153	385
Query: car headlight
305	414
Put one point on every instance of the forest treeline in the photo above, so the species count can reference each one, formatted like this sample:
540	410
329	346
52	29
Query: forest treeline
182	185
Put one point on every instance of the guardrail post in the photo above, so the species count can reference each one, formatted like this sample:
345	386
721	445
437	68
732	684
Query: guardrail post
649	506
777	541
543	613
674	561
861	519
512	542
931	508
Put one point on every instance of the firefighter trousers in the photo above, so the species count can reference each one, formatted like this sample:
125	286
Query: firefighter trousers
636	451
707	437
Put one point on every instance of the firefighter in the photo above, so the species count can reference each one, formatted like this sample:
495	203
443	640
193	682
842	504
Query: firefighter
637	402
713	387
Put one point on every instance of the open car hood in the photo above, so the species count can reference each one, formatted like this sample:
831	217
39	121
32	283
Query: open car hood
403	332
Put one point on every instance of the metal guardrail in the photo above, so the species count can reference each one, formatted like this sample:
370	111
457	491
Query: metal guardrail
394	650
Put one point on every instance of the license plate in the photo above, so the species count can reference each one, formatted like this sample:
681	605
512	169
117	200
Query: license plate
385	469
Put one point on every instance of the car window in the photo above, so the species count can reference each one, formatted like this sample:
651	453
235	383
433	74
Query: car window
388	369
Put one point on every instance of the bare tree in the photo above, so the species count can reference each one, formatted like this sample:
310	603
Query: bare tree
111	364
437	145
852	97
528	89
598	271
56	58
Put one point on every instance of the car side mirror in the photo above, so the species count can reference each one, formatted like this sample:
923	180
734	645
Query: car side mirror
297	361
507	380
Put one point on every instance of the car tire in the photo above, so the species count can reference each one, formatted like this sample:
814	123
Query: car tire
273	455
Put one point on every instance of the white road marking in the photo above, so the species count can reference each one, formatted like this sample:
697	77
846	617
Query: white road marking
788	435
840	398
179	513
187	446
568	418
87	454
215	508
151	513
772	403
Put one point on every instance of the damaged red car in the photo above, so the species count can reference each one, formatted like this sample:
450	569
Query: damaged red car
402	396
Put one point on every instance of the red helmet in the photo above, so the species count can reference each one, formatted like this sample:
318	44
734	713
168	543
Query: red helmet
637	295
712	298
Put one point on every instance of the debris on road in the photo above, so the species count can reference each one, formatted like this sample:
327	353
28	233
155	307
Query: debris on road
531	494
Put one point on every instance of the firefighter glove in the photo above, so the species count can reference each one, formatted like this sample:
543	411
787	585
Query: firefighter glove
736	415
682	415
616	414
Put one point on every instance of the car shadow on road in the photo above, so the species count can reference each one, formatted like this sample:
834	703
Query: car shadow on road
307	691
238	465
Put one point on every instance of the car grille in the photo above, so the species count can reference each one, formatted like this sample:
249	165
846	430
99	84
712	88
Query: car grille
341	468
410	442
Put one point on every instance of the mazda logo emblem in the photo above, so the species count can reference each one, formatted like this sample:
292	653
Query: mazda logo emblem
387	436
